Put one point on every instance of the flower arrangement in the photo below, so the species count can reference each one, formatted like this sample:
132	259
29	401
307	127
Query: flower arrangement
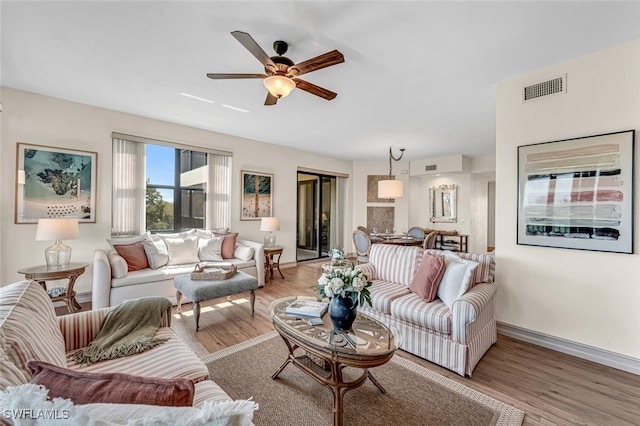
337	256
347	282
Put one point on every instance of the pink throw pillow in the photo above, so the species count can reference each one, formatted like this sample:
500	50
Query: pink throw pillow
111	388
428	276
228	244
134	255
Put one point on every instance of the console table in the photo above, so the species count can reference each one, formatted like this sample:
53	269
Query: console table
70	272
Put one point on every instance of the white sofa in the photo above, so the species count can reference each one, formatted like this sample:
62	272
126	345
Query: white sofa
455	337
30	330
110	287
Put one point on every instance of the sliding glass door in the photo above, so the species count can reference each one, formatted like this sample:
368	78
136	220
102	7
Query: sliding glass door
317	216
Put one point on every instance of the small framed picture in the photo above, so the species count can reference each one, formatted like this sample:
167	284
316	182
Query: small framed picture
54	182
257	195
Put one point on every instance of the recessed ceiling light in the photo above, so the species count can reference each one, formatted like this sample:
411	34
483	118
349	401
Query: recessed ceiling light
235	108
209	101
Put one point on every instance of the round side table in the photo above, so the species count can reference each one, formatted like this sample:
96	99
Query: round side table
42	274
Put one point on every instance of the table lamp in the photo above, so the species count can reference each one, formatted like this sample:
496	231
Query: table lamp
57	229
270	224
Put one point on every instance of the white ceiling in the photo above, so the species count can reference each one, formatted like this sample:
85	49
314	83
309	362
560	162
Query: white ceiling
419	75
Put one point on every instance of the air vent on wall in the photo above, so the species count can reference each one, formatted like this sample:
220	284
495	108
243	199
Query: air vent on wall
430	167
554	86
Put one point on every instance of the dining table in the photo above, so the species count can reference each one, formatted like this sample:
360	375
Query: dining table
399	240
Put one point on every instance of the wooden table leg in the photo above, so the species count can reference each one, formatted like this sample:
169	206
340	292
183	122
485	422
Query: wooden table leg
252	300
196	313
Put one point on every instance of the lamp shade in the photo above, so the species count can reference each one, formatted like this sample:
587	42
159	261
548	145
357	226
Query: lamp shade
391	188
270	224
279	85
57	229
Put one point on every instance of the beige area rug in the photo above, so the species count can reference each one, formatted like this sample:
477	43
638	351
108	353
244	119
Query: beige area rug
415	395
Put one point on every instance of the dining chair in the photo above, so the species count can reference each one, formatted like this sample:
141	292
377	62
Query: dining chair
363	245
364	229
416	232
430	240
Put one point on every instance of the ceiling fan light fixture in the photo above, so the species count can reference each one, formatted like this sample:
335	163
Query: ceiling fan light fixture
279	85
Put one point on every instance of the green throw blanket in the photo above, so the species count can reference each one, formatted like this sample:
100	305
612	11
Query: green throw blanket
128	329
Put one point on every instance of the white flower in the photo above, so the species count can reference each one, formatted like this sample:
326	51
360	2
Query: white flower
323	280
327	291
358	284
337	285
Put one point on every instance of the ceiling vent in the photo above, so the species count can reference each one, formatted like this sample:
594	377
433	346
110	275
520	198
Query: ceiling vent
557	85
430	167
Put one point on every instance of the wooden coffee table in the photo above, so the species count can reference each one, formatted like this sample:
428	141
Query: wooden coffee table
323	353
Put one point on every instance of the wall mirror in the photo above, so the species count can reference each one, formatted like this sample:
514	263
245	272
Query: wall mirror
443	203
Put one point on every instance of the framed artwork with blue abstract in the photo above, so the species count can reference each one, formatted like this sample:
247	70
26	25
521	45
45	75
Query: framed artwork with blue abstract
54	182
257	195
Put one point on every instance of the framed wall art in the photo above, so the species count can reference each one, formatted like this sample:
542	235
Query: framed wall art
578	193
257	195
55	182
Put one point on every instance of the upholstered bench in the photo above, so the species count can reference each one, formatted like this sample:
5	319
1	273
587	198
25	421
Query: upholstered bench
202	290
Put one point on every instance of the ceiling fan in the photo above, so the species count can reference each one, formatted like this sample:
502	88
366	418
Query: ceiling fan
281	73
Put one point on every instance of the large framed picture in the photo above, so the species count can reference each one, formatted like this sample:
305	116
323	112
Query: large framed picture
54	182
257	195
578	193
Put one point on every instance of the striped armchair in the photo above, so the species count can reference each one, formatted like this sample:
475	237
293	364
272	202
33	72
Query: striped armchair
30	330
454	337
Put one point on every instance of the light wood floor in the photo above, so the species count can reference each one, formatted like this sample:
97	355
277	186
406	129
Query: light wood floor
550	387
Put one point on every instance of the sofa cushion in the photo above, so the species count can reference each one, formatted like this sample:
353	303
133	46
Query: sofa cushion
383	293
113	388
134	255
456	279
396	264
412	308
124	240
157	252
182	250
118	265
243	252
11	374
170	360
427	278
29	325
228	244
210	249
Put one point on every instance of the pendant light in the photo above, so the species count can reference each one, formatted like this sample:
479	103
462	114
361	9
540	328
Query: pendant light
391	188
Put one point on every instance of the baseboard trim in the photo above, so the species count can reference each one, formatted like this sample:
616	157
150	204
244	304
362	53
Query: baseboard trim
590	353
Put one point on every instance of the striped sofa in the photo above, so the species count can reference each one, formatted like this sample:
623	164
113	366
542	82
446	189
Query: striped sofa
454	338
30	330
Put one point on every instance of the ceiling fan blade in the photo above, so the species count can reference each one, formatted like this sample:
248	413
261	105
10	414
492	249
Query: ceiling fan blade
328	59
314	90
220	76
250	44
271	100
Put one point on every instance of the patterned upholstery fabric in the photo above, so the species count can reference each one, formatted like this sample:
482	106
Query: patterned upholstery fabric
396	264
383	293
455	338
11	374
208	391
169	360
29	326
413	308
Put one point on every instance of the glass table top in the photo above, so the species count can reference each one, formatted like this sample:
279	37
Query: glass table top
368	336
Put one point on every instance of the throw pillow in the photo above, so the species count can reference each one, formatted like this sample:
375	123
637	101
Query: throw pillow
134	255
119	267
182	250
243	252
456	279
157	252
113	388
210	249
124	240
427	279
228	245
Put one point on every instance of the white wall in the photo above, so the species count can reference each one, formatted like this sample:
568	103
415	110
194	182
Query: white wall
42	120
587	297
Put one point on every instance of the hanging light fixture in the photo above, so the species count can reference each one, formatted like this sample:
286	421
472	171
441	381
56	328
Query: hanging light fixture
391	188
279	85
